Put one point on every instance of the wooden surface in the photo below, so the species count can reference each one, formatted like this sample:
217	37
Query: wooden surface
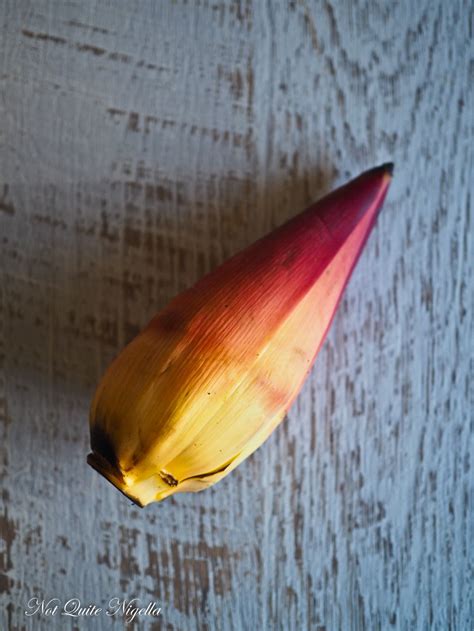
141	143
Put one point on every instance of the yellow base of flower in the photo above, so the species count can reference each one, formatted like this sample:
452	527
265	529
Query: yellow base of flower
140	492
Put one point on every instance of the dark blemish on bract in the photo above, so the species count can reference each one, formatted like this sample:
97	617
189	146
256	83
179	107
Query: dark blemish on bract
168	478
102	445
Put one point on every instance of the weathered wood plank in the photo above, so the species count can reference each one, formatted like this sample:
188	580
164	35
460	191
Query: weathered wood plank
143	143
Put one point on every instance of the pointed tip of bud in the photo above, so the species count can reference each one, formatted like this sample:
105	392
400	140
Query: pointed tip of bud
388	168
385	169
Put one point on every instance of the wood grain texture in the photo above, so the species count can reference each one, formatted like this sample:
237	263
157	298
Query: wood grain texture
141	143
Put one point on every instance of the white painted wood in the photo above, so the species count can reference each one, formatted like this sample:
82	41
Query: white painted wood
141	143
